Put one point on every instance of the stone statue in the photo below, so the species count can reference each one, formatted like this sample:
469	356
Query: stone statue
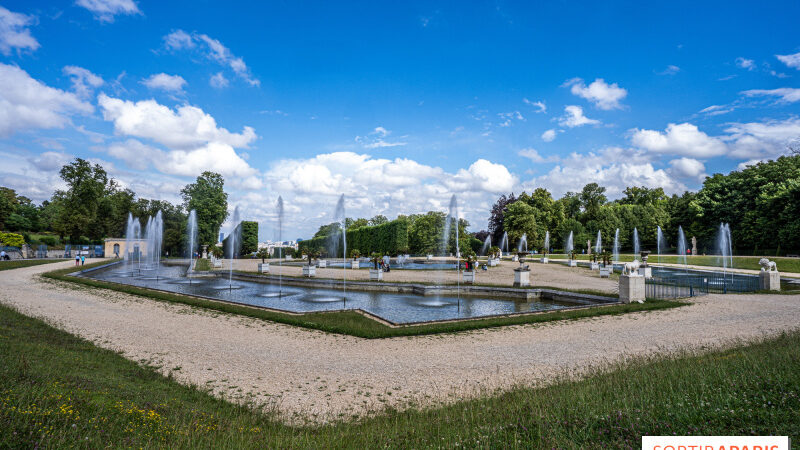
631	268
767	265
694	245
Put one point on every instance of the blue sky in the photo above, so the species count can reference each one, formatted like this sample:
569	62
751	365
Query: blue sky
397	107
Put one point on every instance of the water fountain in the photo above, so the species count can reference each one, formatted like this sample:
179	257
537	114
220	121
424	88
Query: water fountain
546	250
452	216
154	233
504	243
636	247
340	216
486	244
191	237
682	246
616	247
279	238
725	246
133	232
569	245
598	245
522	246
661	243
233	243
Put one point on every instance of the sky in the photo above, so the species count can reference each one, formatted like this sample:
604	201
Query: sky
396	105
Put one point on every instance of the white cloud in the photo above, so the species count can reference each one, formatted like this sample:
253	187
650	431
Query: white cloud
14	32
787	95
549	135
670	70
574	117
26	103
179	40
612	167
218	81
688	168
50	161
186	127
744	63
376	139
683	139
603	95
135	154
485	176
165	82
105	10
534	156
508	117
211	49
761	140
539	105
83	81
716	110
790	60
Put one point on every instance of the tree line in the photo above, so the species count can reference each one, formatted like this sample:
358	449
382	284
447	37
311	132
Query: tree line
94	206
761	203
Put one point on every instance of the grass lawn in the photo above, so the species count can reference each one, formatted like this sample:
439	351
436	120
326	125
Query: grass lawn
57	390
19	263
353	323
739	262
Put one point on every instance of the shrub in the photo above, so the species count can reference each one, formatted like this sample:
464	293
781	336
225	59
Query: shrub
12	239
389	238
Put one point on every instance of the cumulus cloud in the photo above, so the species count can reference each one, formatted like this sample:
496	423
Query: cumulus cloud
612	167
185	127
212	49
603	95
688	168
83	81
377	139
508	117
539	105
14	32
26	103
785	95
790	60
574	117
50	161
165	82
744	63
549	135
194	141
761	140
105	10
683	139
534	156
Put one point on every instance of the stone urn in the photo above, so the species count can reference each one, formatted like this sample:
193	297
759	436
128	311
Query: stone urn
645	270
309	271
263	267
375	274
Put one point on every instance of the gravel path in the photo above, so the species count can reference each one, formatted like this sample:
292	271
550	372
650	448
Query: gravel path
310	375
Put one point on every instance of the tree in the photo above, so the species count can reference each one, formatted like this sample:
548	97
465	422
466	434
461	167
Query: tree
378	220
208	197
87	185
356	223
592	197
520	219
8	204
496	215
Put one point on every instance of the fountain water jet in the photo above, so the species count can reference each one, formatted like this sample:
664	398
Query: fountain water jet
232	244
616	245
452	216
191	235
504	243
598	245
547	242
661	243
636	247
279	238
569	244
523	243
486	244
340	216
725	246
682	246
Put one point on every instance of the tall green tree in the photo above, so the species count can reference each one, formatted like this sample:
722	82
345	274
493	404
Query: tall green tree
87	186
208	197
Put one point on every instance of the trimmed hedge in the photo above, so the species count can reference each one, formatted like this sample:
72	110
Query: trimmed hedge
390	237
11	239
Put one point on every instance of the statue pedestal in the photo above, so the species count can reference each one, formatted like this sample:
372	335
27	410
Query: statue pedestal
522	278
769	280
309	271
515	258
631	288
205	252
263	267
605	272
573	263
492	262
375	274
354	264
322	263
646	272
469	277
544	260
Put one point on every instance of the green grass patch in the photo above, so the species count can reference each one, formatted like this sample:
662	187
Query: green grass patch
57	390
19	263
202	265
353	323
739	262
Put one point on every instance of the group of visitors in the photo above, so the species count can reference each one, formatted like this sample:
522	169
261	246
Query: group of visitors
80	260
4	256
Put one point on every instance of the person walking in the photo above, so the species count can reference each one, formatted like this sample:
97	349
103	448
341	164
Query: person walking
83	259
77	260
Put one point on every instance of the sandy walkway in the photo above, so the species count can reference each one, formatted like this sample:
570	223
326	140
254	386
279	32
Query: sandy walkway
315	375
550	275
